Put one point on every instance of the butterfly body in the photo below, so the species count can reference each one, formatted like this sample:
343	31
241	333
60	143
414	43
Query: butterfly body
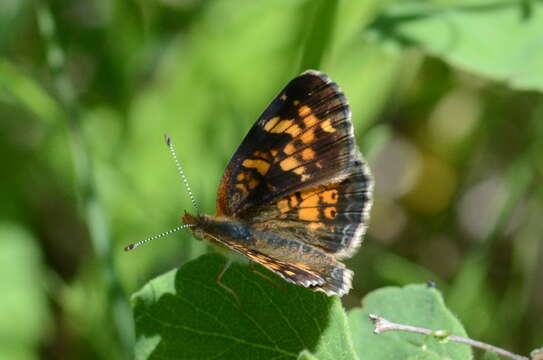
294	260
295	196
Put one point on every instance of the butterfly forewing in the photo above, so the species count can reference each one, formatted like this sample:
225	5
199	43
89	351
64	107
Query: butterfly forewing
304	138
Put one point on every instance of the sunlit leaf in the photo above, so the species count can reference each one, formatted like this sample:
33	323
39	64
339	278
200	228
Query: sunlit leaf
497	39
415	305
186	314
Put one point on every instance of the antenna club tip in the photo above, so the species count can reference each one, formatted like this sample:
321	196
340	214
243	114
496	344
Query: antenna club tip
168	139
129	247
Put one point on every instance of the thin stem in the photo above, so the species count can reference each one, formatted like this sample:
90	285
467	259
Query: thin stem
383	325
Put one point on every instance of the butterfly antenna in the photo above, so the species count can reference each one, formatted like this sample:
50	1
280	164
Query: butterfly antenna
176	229
181	172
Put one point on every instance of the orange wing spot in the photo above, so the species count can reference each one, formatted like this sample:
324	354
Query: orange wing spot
294	130
311	201
310	120
260	258
308	154
242	188
273	153
299	170
330	212
264	155
293	201
253	183
281	126
330	196
303	111
319	164
289	149
308	193
274	266
303	267
262	166
271	123
308	214
308	136
289	163
283	206
302	172
315	226
327	126
240	176
289	273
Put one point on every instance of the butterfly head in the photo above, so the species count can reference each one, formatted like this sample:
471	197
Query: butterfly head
215	229
196	224
200	225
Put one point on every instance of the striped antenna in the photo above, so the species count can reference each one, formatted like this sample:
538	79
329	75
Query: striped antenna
181	172
135	245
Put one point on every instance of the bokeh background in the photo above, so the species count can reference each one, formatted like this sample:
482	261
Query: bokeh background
447	107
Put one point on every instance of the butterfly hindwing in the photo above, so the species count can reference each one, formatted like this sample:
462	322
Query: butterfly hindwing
332	217
304	138
295	261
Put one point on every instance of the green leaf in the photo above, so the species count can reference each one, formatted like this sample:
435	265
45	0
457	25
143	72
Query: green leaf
28	92
415	305
306	355
490	356
319	34
186	314
23	304
499	40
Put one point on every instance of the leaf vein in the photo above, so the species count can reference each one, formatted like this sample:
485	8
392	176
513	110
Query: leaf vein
219	335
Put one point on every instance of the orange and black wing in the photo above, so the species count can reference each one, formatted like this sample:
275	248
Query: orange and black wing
332	217
304	139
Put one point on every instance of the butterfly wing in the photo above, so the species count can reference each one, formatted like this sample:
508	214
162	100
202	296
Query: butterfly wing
303	139
299	172
332	216
327	275
295	261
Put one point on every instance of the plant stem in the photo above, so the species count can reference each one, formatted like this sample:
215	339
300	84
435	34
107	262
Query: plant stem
91	207
383	325
318	39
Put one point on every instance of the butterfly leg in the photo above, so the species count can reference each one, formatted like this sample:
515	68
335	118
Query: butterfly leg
265	277
218	278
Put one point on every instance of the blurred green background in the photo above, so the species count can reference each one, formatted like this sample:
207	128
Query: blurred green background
447	106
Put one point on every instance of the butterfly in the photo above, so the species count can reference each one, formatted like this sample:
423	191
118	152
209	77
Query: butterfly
296	195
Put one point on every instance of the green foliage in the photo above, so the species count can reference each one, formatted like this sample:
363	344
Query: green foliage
186	314
23	304
501	40
415	305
